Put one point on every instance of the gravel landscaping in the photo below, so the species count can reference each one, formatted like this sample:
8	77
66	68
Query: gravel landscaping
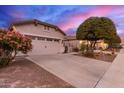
102	57
23	74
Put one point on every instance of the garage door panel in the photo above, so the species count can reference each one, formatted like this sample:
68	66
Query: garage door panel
46	47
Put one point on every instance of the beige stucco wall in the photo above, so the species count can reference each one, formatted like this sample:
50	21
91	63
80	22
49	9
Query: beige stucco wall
71	44
39	30
102	45
42	46
77	44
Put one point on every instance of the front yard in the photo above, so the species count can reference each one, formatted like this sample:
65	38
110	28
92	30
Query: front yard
102	57
23	73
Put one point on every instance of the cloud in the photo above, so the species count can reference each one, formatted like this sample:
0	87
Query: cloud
75	19
68	18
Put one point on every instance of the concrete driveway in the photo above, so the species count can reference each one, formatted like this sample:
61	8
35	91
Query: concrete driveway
76	70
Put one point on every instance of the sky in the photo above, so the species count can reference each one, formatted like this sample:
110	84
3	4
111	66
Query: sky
66	17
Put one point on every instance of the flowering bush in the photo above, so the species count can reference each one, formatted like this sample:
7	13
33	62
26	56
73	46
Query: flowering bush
11	42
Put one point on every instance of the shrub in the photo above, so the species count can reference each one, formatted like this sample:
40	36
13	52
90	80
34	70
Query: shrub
11	42
83	48
75	49
89	53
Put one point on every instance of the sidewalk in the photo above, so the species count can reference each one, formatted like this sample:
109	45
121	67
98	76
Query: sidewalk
114	77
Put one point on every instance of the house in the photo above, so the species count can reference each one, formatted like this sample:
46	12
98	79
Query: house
72	43
46	38
101	45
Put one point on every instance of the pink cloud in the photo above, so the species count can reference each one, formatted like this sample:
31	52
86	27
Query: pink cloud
102	11
75	20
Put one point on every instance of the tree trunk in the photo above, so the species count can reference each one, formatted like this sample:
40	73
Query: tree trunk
13	56
91	46
94	44
87	48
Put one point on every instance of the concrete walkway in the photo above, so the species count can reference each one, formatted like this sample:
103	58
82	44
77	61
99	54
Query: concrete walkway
114	77
76	70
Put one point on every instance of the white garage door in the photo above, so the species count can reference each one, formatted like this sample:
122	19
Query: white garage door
46	47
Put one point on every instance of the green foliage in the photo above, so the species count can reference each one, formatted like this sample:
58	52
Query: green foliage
4	61
116	39
95	28
114	42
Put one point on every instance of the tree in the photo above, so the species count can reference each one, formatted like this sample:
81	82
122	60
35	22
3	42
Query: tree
114	42
94	29
11	42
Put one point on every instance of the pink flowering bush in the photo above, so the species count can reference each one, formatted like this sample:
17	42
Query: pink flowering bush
11	42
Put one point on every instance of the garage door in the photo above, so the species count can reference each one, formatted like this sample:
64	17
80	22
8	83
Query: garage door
46	47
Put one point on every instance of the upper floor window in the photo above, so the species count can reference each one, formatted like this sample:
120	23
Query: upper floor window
46	28
35	23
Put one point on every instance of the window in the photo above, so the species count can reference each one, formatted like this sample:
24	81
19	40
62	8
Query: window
56	29
35	23
40	38
56	40
46	28
49	39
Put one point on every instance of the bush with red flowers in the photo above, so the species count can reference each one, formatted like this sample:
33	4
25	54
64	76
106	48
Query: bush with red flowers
12	42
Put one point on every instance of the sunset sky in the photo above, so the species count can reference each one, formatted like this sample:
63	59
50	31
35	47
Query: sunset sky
68	18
